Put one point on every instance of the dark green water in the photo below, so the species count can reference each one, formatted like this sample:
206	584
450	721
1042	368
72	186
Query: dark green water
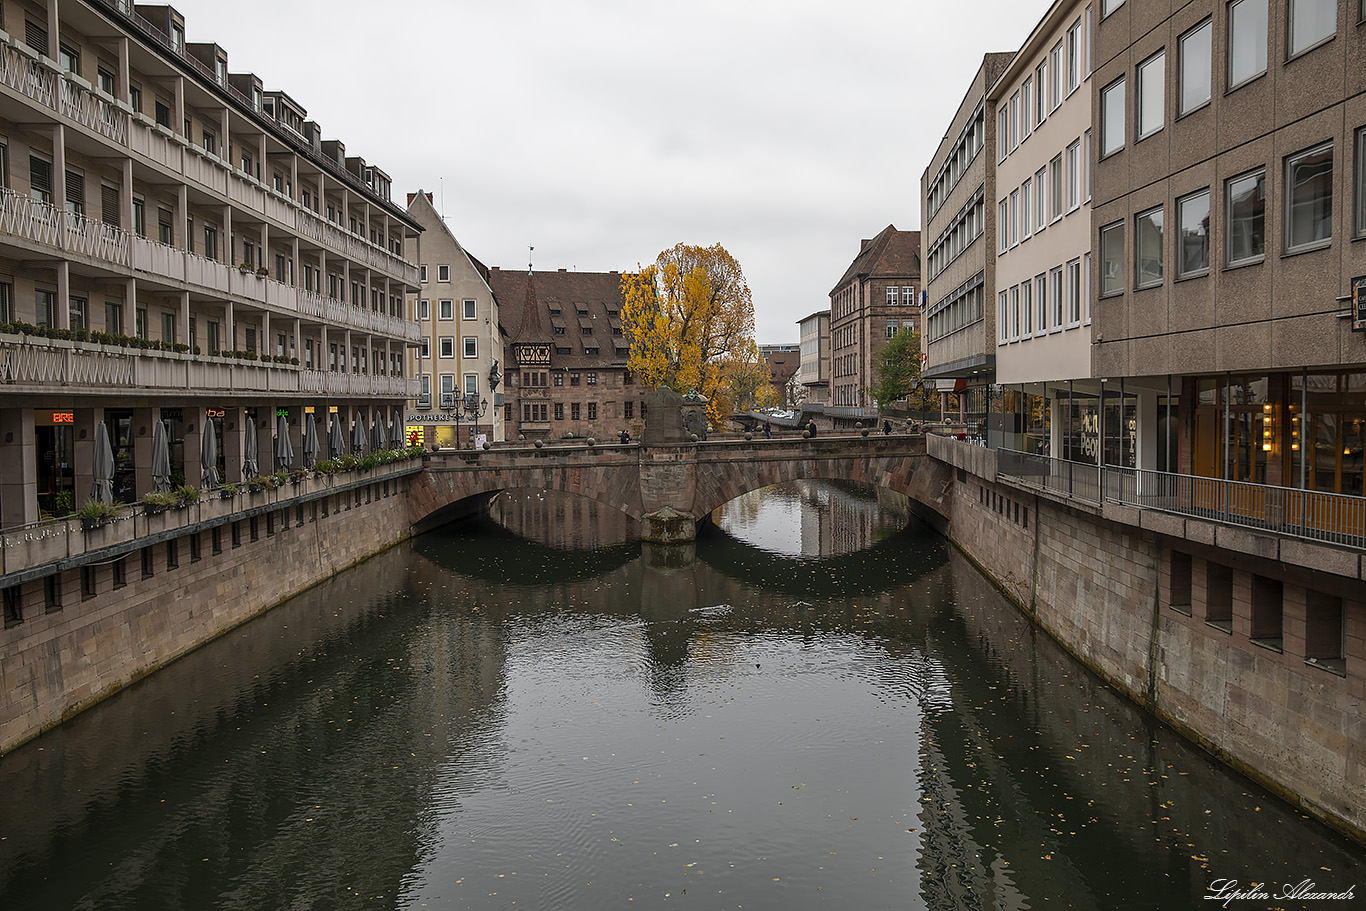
813	709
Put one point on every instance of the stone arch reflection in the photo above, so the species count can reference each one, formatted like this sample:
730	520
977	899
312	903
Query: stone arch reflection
815	517
560	519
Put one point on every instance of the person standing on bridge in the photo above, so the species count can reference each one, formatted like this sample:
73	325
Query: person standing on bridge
886	427
768	430
625	437
811	428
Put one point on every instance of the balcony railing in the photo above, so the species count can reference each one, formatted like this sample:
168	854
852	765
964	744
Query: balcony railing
44	223
1309	514
94	112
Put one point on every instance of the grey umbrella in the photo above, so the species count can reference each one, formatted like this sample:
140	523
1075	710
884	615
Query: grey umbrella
251	452
209	450
358	435
311	447
377	435
395	433
103	469
161	458
336	439
284	451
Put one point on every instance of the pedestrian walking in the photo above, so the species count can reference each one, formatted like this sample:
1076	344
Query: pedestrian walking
886	427
768	430
811	428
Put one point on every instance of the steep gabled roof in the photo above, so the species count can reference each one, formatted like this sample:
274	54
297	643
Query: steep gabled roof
892	254
421	209
531	306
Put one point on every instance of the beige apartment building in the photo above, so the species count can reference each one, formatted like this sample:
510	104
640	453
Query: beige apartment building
177	245
1043	234
457	360
813	371
958	223
1229	209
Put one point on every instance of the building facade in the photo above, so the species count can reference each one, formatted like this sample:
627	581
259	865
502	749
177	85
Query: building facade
458	359
782	362
1229	210
958	220
565	354
813	373
877	296
177	245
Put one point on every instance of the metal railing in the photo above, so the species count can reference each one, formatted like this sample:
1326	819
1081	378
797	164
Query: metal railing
46	224
1079	480
1312	515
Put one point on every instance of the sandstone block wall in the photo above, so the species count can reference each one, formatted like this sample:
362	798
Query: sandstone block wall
1132	603
89	631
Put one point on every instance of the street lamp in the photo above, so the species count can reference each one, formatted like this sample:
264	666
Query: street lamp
472	408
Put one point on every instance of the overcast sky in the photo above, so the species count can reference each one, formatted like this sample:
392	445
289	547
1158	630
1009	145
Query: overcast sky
604	131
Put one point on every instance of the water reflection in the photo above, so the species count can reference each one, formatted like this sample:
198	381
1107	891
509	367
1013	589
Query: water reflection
815	518
476	720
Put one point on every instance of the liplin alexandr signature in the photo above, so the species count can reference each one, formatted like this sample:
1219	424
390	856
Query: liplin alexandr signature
1230	890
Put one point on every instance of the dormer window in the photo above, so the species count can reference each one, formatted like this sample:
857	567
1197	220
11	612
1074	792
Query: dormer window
178	38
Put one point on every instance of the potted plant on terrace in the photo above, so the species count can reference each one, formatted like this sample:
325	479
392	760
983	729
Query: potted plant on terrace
94	514
159	501
185	495
227	491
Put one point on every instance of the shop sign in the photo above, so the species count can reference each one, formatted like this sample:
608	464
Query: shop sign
432	417
63	417
1359	304
214	412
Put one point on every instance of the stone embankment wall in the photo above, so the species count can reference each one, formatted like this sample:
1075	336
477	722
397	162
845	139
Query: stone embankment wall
85	632
1177	613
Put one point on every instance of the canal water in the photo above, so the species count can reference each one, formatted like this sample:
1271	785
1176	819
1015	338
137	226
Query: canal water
821	705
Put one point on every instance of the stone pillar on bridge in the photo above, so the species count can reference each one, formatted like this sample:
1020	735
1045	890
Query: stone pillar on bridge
668	471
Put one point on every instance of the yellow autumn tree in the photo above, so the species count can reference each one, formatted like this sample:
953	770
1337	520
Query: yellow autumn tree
689	317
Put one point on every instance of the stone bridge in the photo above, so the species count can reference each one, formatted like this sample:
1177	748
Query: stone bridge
669	488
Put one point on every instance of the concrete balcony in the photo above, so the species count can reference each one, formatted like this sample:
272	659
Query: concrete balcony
41	80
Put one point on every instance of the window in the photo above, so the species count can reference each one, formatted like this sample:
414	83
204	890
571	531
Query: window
1311	21
467	309
1026	211
471	346
1040	102
1109	6
1074	57
139	217
1014	121
40	179
1026	109
1074	293
1056	185
1086	289
1055	66
1003	226
1014	217
1026	308
1361	176
113	317
1040	199
1002	134
628	410
1247	40
1149	101
422	270
1002	317
1055	290
1192	251
1309	198
573	379
1040	304
592	411
1015	313
574	410
1112	118
168	327
1193	58
1245	217
76	307
892	295
445	310
1086	164
1074	176
424	310
1112	259
1148	248
443	273
471	385
446	346
591	378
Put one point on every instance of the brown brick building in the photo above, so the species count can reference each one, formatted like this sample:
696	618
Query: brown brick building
564	355
876	297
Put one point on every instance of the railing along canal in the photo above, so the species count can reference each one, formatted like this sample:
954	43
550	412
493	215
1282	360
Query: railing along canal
1309	514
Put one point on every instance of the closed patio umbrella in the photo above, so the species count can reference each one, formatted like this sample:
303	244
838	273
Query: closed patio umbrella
395	433
161	458
251	451
284	450
358	435
336	439
209	448
311	447
377	435
103	469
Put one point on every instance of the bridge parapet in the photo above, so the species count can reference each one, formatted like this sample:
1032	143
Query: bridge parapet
669	488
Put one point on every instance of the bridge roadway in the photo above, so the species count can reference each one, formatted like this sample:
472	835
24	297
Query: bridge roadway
668	489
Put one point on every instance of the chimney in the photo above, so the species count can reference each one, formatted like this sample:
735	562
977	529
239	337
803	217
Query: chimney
431	199
411	197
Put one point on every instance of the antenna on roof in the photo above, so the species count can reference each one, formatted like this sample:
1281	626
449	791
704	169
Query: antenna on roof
528	258
441	185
